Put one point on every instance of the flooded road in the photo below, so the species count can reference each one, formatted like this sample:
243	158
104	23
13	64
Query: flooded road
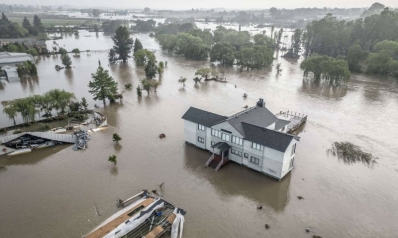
52	193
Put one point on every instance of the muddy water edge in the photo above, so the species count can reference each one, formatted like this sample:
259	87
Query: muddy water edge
52	193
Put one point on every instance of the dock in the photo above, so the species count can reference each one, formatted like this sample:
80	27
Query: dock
296	120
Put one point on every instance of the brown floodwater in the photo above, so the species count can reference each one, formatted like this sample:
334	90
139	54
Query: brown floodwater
52	192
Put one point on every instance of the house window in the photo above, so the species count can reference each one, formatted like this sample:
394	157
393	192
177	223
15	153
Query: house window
293	149
212	143
246	155
201	139
225	137
255	160
201	127
291	163
237	140
236	152
257	146
215	133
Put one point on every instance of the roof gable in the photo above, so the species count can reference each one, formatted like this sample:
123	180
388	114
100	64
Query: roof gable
257	116
269	138
202	117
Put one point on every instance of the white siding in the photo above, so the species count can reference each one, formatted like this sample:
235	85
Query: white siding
190	132
288	157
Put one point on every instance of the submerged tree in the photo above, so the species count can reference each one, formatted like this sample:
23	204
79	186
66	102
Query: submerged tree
113	159
328	68
146	85
66	60
112	56
223	53
123	43
204	72
142	56
182	80
103	85
116	138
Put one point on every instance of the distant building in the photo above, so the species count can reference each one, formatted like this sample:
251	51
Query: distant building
254	137
40	45
11	59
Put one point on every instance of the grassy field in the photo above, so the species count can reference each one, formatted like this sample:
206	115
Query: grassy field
51	20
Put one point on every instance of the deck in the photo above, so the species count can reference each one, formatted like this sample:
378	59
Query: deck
108	227
296	120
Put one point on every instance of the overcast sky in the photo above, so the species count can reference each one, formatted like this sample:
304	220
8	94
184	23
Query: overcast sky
188	4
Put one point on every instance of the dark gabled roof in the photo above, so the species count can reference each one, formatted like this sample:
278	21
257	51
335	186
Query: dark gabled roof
280	123
258	116
222	146
266	137
202	117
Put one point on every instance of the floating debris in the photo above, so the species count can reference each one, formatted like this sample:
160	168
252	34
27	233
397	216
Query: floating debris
300	197
259	207
161	136
267	226
350	153
315	236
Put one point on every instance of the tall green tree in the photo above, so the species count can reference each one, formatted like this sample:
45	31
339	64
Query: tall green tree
123	43
103	85
26	23
150	69
137	45
37	23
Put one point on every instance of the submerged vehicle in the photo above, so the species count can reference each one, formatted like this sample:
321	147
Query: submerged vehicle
148	216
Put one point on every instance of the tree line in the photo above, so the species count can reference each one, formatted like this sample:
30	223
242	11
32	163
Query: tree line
225	46
10	29
29	107
367	45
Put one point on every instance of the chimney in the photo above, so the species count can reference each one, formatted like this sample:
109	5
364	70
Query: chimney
261	102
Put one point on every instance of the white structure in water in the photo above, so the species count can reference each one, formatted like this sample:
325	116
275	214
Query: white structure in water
255	138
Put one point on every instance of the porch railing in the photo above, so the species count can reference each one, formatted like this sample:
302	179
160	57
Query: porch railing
222	162
209	161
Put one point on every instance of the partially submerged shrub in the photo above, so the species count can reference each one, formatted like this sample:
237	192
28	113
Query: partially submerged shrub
351	153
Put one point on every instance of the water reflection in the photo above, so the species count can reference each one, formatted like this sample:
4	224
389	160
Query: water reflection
114	170
69	75
323	89
236	180
39	155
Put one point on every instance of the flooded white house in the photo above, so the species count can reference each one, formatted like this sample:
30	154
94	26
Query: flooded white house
254	137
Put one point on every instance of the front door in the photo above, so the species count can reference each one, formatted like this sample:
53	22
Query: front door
226	153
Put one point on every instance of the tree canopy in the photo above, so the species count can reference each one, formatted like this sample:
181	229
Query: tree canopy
142	56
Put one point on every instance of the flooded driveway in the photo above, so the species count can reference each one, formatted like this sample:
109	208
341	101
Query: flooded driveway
52	193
